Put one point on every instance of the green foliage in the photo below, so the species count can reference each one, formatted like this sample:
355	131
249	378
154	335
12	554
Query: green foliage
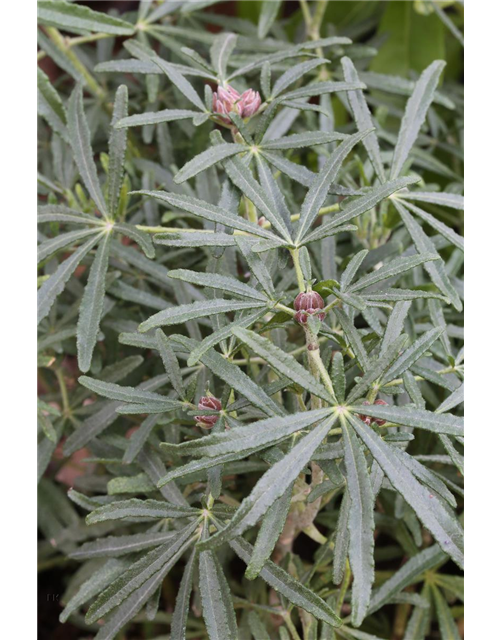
223	429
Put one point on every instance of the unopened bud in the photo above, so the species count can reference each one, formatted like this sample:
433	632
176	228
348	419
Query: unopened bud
379	421
227	100
208	402
368	420
308	304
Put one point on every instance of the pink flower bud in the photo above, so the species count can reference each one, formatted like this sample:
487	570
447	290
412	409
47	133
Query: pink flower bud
250	101
208	402
227	100
307	304
379	421
368	420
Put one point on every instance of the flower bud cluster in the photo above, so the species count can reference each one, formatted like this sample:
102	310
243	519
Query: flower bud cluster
208	402
227	100
308	304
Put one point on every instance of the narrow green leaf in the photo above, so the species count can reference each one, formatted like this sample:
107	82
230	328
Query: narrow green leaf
132	605
425	476
223	333
295	73
453	400
195	239
395	324
269	532
185	312
215	281
353	338
260	434
235	377
443	199
54	285
207	159
138	438
99	580
341	548
79	136
363	118
320	88
117	147
352	268
299	140
75	17
257	627
319	189
399	86
60	213
142	239
283	362
50	106
268	13
415	112
302	174
290	588
374	372
221	51
432	514
208	211
361	523
242	177
92	305
447	625
400	295
134	508
124	394
181	611
158	561
394	268
116	546
416	566
326	231
257	266
338	376
419	418
155	117
439	226
271	486
197	466
51	246
272	190
293	52
172	73
413	353
438	320
170	362
103	418
424	245
217	605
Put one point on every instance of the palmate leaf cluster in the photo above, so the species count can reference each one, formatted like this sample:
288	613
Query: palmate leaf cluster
172	246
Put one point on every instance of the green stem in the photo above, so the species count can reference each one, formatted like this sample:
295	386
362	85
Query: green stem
266	224
306	13
64	393
290	626
298	270
317	21
314	534
344	586
61	43
73	42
